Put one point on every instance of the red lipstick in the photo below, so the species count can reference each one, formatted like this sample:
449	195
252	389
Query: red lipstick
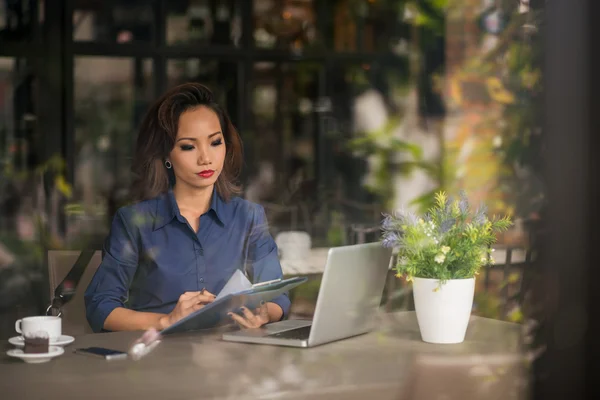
206	173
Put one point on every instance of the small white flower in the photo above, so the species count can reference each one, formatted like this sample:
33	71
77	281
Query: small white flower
440	258
483	259
497	141
445	249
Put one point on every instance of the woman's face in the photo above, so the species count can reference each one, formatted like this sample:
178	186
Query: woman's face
199	151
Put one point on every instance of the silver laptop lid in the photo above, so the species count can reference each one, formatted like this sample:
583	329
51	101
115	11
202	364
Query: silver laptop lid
350	292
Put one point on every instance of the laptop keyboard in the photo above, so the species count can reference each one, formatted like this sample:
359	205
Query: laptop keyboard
298	333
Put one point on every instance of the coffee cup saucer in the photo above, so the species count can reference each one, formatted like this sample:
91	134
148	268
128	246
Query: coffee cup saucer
36	358
62	340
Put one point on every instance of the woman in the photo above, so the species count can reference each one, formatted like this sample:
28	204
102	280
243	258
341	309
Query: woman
168	253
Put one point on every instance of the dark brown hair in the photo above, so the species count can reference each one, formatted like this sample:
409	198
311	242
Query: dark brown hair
157	135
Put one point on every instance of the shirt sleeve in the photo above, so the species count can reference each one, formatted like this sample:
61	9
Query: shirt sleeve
109	287
264	258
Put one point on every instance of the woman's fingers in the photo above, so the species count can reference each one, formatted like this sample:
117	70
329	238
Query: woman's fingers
204	299
206	292
241	321
187	295
198	298
203	294
248	314
250	319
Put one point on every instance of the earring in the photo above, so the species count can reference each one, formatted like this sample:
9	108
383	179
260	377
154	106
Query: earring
168	164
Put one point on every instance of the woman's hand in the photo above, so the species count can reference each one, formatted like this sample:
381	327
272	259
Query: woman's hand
187	304
250	319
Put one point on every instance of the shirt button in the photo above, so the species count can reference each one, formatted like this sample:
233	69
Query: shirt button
201	280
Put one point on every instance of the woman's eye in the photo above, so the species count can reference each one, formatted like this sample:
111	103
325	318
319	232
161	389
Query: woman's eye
217	142
186	147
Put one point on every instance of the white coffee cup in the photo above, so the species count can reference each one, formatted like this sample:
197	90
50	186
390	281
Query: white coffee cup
49	324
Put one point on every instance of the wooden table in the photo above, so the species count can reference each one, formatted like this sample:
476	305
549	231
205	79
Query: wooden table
199	365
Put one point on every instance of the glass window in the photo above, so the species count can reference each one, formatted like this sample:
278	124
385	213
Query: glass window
3	15
19	19
369	26
113	23
371	120
283	101
20	149
218	76
204	21
8	142
111	96
6	114
285	24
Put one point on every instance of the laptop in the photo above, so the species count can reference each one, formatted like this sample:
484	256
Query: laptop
349	297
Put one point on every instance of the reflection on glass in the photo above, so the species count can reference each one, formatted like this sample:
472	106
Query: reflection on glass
372	116
7	142
201	22
19	149
367	25
118	23
6	115
283	105
344	28
218	76
18	17
111	95
284	24
3	13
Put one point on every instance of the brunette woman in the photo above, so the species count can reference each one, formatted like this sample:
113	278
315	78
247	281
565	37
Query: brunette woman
188	232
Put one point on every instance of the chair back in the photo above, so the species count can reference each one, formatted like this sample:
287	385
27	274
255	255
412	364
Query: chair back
360	233
60	263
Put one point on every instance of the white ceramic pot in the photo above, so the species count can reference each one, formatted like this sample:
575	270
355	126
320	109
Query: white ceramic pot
443	314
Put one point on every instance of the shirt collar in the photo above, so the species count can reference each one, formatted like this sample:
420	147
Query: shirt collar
167	209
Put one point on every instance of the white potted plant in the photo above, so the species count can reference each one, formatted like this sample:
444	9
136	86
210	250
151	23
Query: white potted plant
441	253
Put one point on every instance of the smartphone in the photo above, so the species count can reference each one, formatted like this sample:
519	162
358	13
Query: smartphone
107	354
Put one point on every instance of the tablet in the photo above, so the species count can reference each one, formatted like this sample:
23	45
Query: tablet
212	314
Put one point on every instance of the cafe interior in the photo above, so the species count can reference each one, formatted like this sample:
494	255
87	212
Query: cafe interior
354	115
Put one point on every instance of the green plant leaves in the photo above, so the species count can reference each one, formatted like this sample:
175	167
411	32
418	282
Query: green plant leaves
451	240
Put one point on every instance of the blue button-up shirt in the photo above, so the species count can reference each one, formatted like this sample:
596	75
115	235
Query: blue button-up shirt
152	255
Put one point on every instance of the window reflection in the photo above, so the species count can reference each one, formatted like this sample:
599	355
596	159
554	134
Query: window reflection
380	150
283	100
8	144
20	147
19	19
218	76
203	21
284	24
368	26
3	15
113	23
111	95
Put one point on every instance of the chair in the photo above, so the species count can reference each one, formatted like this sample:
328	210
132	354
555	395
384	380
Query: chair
523	268
360	233
60	263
